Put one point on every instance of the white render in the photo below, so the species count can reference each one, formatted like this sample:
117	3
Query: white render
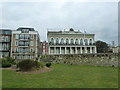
70	42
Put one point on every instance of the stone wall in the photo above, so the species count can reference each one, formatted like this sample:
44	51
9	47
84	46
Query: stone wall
106	59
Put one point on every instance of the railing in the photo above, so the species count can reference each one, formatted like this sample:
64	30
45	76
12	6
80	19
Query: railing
72	44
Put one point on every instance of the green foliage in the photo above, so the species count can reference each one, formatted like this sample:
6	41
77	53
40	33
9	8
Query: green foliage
64	76
48	64
27	65
102	47
41	64
43	57
8	61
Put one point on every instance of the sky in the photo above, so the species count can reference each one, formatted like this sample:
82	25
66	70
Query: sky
99	18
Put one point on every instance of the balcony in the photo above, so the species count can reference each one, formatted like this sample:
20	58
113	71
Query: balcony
5	41
24	39
23	45
71	44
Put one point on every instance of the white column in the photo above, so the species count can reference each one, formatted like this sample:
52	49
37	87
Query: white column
81	50
90	49
65	50
76	51
95	50
70	50
49	50
54	50
85	49
60	50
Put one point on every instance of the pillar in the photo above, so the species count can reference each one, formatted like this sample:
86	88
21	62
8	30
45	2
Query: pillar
70	50
60	50
95	50
85	49
49	50
90	49
76	51
81	50
54	50
65	50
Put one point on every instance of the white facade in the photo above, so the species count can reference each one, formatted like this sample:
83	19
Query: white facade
70	42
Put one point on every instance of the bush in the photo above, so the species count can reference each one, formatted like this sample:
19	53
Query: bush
8	61
48	64
41	64
28	65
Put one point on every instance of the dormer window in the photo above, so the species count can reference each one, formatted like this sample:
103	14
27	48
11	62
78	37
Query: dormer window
25	30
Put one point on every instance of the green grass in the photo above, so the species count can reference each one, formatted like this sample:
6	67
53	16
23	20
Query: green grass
64	76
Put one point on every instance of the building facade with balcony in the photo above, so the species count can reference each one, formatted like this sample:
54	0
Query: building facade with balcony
5	42
70	42
25	43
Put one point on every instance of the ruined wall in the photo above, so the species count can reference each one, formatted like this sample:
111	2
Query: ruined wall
107	59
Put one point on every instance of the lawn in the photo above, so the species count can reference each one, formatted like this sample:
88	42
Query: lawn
64	76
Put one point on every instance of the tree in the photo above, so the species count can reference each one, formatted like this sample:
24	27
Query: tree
102	47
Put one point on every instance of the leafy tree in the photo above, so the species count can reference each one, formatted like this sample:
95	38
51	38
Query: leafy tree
102	47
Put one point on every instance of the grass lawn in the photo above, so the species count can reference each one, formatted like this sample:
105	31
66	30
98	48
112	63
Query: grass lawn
64	76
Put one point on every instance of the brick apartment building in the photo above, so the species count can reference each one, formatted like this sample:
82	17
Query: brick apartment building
5	42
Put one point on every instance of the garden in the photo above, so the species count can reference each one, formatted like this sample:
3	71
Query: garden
49	75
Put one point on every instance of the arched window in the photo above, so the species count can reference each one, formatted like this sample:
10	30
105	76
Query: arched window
76	42
72	42
86	42
67	41
90	42
52	41
57	41
81	41
62	41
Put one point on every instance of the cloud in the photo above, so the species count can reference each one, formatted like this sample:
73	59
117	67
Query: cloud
98	18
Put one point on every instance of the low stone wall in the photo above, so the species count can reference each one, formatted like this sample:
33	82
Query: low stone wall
106	59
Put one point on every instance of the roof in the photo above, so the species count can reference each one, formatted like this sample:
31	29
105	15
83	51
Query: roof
30	29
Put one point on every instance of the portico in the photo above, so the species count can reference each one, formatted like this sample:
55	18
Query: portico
70	42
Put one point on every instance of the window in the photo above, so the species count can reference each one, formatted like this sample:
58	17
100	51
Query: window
6	38
72	42
90	42
76	42
16	43
21	36
4	47
16	50
26	50
32	36
26	43
67	41
16	36
81	41
52	41
21	43
2	37
31	50
21	50
86	42
25	30
31	43
27	36
57	41
62	41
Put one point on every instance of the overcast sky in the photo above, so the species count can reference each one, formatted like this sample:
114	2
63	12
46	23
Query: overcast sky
99	18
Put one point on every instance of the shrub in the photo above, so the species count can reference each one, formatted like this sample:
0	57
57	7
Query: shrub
27	65
8	61
41	64
48	64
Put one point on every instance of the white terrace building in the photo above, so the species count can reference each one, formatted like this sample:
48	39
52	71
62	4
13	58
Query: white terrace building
70	42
